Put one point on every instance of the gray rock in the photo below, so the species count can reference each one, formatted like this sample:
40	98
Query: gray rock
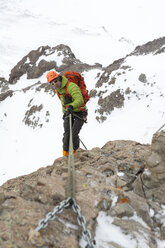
142	78
154	183
29	198
121	210
28	65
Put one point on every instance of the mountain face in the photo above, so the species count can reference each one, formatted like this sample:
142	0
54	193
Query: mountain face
123	181
127	103
126	81
33	66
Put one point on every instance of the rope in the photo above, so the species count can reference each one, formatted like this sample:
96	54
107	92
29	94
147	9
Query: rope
71	181
80	119
70	201
160	128
83	144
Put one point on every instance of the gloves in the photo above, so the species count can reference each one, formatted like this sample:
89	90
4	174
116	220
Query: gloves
69	110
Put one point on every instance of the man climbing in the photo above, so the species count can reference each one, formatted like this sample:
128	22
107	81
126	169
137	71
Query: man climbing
72	102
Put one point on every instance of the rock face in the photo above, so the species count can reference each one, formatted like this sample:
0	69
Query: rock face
110	78
123	178
155	182
155	46
35	63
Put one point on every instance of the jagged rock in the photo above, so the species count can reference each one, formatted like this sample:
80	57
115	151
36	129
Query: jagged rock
30	118
154	181
3	85
105	76
109	78
158	144
3	96
93	93
35	63
151	46
142	78
2	197
122	210
136	230
114	100
27	199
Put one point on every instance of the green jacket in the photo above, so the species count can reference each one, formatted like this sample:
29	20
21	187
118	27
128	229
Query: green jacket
77	99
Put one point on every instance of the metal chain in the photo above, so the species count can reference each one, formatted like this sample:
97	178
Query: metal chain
82	223
43	223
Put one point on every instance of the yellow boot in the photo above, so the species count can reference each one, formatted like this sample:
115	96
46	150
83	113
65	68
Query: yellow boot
65	153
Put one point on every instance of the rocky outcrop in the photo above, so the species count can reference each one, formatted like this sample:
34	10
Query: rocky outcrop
154	180
156	46
110	89
3	85
30	116
107	72
107	104
45	58
123	178
3	96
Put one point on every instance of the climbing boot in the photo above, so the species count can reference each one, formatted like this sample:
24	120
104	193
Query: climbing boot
65	153
74	152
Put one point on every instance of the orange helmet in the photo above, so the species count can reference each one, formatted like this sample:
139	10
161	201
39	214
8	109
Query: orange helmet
51	75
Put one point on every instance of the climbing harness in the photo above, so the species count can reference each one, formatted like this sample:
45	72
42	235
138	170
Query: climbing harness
70	201
85	120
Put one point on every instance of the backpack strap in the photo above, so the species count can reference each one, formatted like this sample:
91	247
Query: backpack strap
58	94
66	91
66	88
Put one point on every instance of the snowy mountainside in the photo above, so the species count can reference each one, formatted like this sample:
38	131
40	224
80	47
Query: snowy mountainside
127	102
134	85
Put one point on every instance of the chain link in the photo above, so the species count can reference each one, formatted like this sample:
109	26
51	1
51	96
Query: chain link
43	223
82	222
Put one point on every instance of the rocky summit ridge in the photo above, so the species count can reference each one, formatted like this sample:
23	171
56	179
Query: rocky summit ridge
124	179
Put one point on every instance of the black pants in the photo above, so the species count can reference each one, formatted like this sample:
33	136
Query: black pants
77	122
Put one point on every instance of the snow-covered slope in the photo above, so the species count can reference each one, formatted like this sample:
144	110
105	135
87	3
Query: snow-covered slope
127	102
135	85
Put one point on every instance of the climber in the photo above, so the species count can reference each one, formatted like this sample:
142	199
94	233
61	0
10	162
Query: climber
72	103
